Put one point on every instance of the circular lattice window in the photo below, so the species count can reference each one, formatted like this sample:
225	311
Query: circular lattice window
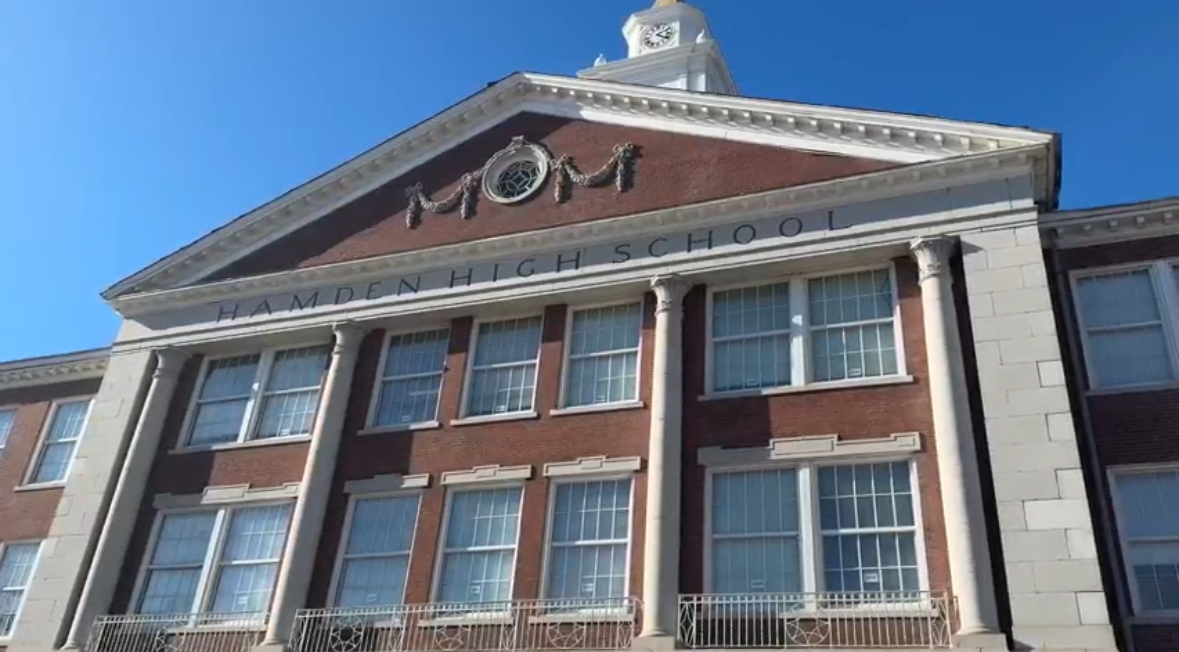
516	173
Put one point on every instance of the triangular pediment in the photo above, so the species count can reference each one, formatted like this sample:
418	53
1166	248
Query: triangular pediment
690	148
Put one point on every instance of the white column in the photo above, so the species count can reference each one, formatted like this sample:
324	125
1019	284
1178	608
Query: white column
294	573
115	536
966	535
662	547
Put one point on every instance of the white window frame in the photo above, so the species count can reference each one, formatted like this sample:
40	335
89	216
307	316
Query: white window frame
1162	277
342	552
1113	473
380	380
465	406
35	462
550	511
253	410
441	550
800	335
13	411
567	356
810	532
210	569
4	638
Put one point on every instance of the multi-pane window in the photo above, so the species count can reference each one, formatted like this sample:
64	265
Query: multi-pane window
17	561
851	326
411	379
258	396
60	441
603	355
479	548
503	371
214	561
1147	507
804	330
7	420
590	532
375	559
1122	317
868	528
858	519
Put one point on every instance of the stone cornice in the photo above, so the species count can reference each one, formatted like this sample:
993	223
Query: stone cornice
1084	228
885	136
862	188
53	369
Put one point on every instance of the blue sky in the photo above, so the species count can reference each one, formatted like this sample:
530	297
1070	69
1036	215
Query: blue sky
129	128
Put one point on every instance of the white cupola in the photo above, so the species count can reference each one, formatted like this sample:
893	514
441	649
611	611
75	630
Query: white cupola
668	45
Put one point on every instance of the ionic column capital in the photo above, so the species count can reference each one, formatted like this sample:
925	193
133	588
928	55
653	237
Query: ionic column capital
169	361
932	255
669	291
346	335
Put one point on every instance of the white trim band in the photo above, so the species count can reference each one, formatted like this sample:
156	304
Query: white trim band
592	466
226	495
809	448
389	482
489	473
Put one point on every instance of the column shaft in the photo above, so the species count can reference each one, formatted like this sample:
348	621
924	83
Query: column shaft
294	573
966	535
662	531
126	499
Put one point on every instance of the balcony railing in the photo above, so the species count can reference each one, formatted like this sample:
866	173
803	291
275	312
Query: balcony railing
177	633
470	627
816	620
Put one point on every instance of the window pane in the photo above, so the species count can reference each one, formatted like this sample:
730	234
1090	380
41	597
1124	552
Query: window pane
218	423
588	572
614	328
749	311
603	355
602	379
502	342
1148	504
417	353
1117	299
244	589
840	351
256	533
849	298
229	377
587	515
383	525
483	518
870	562
7	419
184	538
477	576
54	462
755	502
1156	572
752	363
413	400
1126	357
865	496
373	582
170	591
16	572
298	368
502	390
756	565
68	420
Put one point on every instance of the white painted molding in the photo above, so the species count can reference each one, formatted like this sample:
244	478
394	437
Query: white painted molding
593	465
53	369
882	185
225	495
811	448
489	473
852	132
1084	228
390	482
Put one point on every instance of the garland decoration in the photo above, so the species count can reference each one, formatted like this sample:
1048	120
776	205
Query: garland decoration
620	167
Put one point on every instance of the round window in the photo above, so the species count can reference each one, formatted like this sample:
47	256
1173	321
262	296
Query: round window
516	172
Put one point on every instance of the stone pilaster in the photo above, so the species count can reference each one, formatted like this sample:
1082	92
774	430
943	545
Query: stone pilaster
966	537
294	573
662	525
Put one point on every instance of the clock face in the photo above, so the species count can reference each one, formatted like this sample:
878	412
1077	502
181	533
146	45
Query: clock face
657	36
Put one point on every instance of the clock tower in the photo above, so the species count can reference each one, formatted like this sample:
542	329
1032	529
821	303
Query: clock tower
668	45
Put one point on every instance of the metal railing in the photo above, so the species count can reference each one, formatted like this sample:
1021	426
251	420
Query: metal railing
470	627
177	633
816	620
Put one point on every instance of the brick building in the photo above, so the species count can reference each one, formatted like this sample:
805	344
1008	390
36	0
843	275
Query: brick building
621	360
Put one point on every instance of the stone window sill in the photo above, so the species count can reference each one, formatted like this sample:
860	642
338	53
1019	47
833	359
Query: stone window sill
598	407
495	418
1135	389
40	486
255	443
409	427
813	387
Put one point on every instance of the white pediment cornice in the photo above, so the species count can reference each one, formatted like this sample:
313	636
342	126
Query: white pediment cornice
850	132
1106	224
797	199
53	369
